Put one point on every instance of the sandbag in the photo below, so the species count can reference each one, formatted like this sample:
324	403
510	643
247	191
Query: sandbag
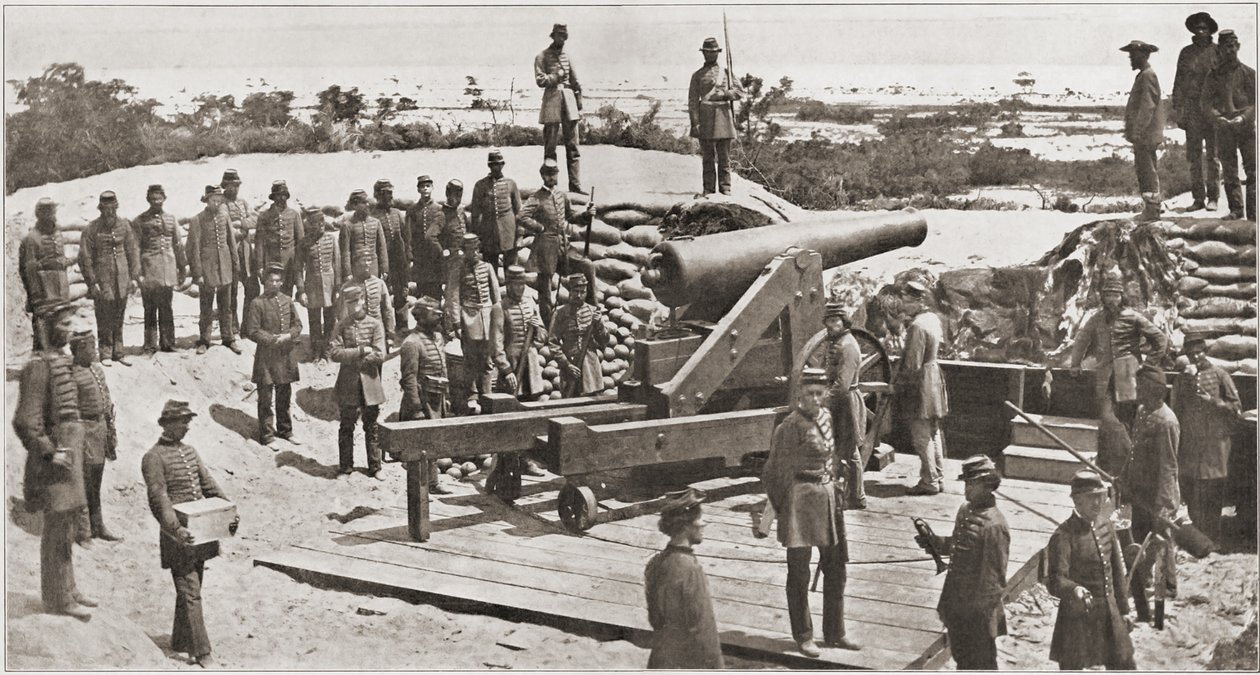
625	219
643	236
1241	291
1236	232
642	309
628	253
1233	347
1224	308
654	210
601	233
1211	251
598	251
605	289
1246	367
633	289
615	270
1191	286
1226	275
1215	327
1189	266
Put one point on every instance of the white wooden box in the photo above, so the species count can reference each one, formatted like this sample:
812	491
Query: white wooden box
207	519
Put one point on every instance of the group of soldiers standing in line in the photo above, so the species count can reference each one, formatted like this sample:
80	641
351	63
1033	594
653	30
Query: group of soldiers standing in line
1213	100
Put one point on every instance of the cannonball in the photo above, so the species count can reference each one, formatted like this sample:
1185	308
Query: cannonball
545	353
468	468
444	463
545	397
547	387
551	372
627	340
628	320
624	333
455	472
609	383
612	339
610	327
616	314
609	354
607	368
562	296
487	463
621	351
614	301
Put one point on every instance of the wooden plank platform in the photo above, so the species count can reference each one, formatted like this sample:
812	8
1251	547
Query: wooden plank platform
517	561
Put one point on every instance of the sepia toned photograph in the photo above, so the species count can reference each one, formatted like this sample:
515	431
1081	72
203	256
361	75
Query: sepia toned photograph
645	336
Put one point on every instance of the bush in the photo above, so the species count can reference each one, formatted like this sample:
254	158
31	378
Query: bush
817	111
1012	130
991	165
266	109
618	128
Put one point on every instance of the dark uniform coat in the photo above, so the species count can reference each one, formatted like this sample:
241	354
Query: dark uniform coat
422	368
436	230
162	261
270	317
211	249
1117	342
398	240
1081	555
376	299
509	321
275	241
109	256
470	296
174	474
568	327
321	269
493	210
358	383
46	420
979	548
1144	113
553	72
42	262
685	634
1150	478
1208	406
711	119
844	361
239	212
1231	91
96	409
800	479
363	235
919	376
1194	63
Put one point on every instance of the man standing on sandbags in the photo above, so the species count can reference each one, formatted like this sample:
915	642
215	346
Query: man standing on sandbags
275	242
162	268
243	222
561	104
1229	102
709	103
42	263
496	203
1208	407
547	215
109	258
1144	125
1193	65
398	241
472	291
576	336
213	260
922	384
437	233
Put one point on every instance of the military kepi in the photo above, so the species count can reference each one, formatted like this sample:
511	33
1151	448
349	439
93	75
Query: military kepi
211	191
710	45
108	197
1087	482
813	376
976	467
175	410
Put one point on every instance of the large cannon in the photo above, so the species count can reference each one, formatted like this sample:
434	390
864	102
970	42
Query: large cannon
702	391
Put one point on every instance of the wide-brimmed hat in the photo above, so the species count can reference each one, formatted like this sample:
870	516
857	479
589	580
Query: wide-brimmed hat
108	198
211	191
976	467
175	410
710	45
1087	482
1139	46
230	176
1198	18
279	188
683	503
559	29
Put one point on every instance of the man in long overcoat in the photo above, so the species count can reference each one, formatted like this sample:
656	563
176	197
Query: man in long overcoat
275	241
42	264
212	260
1229	103
1194	63
100	437
47	423
163	266
358	344
921	384
561	104
680	611
1144	125
321	277
1207	408
109	258
398	241
275	327
805	486
492	214
978	550
709	101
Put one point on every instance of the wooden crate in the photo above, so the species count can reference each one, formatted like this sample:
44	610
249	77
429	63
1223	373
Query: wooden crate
207	519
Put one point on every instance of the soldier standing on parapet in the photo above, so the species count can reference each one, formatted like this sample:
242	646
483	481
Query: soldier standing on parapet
109	258
496	201
561	103
100	438
1229	103
576	335
358	344
709	101
243	220
398	241
422	374
162	268
922	385
42	263
547	215
321	277
472	290
1144	125
978	550
213	261
275	241
1193	65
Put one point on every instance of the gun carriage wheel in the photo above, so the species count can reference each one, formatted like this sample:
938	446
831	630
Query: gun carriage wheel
577	507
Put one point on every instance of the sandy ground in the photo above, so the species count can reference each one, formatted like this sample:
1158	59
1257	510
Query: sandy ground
260	619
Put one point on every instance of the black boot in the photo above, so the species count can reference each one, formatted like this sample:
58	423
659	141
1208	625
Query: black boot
1159	615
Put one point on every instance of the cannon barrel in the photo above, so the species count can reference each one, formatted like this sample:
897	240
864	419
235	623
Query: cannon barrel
716	269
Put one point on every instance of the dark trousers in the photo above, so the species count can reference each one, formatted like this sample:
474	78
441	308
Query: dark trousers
1144	159
1142	523
268	424
552	133
432	407
398	291
189	632
56	562
716	155
834	575
1233	143
322	321
209	297
252	290
1205	498
109	325
971	645
350	414
91	521
478	368
158	318
39	334
1205	170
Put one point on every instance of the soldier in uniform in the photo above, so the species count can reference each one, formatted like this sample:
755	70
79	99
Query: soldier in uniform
358	344
1208	407
275	327
42	263
100	438
109	258
174	474
511	320
243	221
1196	60
423	375
709	101
436	231
321	274
547	214
680	611
1144	125
496	203
561	104
848	409
1087	575
978	550
213	261
275	240
375	295
472	290
398	241
1229	104
805	487
576	336
922	385
47	423
361	232
162	268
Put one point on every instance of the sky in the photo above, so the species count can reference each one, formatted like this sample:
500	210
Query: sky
765	38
